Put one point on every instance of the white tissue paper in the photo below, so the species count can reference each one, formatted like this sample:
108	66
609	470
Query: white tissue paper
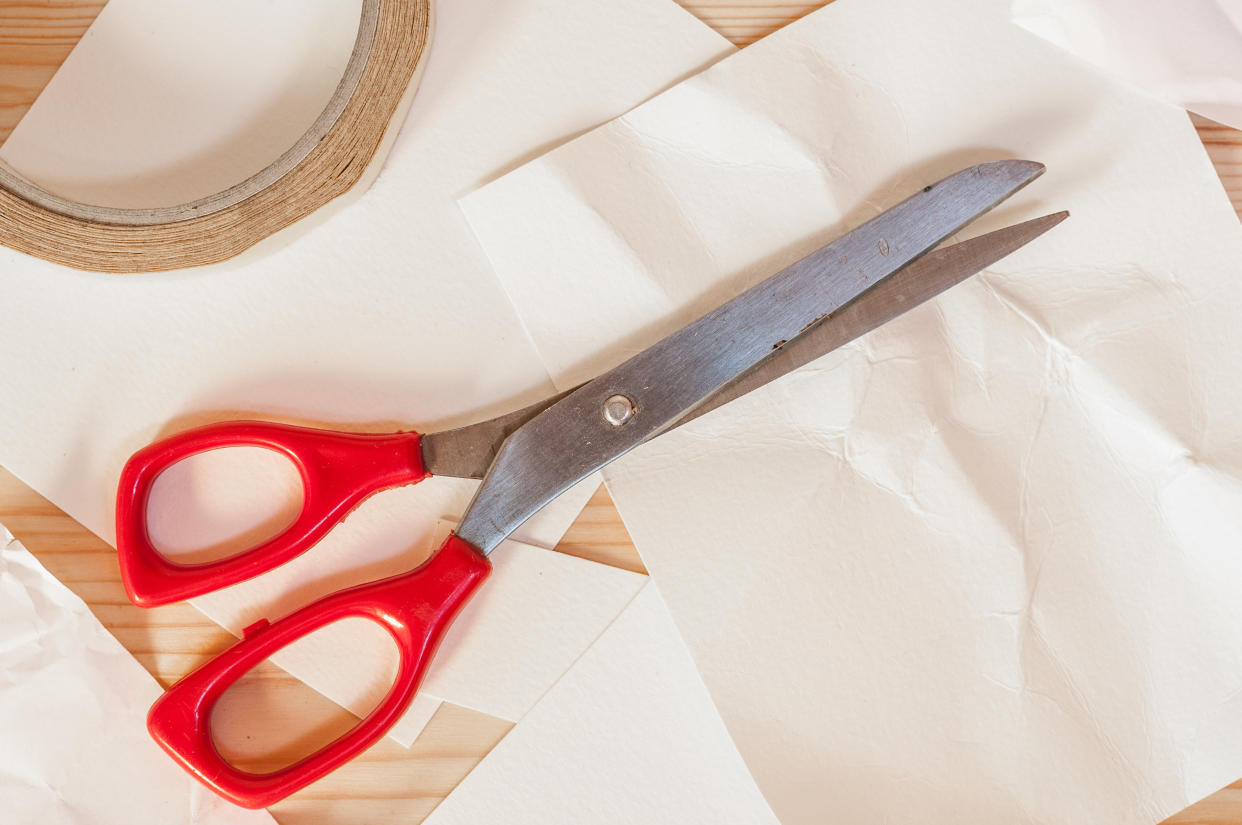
74	746
1188	53
983	565
628	735
386	317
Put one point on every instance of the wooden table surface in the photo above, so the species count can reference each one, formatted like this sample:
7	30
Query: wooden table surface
388	783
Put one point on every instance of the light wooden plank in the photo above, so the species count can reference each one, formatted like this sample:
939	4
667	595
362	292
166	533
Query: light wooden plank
35	38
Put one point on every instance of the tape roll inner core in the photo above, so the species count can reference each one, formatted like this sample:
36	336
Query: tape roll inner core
233	195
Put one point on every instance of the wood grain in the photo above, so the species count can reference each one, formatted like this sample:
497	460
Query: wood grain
388	783
35	38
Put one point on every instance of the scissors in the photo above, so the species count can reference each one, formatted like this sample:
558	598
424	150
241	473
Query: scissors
528	457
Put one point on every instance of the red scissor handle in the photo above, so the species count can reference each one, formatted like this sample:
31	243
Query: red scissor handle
338	471
415	607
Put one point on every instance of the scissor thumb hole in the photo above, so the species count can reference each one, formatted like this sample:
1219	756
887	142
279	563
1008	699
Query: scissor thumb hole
216	504
268	720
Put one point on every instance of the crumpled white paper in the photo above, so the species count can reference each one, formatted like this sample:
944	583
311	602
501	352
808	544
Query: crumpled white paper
628	735
386	317
1188	52
983	565
73	740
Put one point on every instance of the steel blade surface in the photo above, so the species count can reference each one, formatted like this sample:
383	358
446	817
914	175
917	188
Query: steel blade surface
571	439
915	284
467	452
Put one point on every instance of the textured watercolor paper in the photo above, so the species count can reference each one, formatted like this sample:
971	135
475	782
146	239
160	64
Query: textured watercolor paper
629	734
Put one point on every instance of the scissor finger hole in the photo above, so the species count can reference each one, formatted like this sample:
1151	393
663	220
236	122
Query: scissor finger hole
216	504
267	720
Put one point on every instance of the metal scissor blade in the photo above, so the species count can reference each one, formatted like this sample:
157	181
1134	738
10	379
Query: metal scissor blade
572	438
915	284
467	452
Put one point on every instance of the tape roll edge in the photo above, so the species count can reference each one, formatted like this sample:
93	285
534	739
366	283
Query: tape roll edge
346	157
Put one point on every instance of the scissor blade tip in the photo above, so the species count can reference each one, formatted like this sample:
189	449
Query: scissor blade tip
1046	222
1016	169
1002	178
1032	166
1011	238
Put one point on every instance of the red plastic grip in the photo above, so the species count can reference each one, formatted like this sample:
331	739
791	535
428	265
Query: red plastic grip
415	607
339	470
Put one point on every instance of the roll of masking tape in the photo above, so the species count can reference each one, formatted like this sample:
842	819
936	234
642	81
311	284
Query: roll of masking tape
340	151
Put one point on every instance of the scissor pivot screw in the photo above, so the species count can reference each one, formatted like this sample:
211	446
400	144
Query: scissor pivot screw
618	409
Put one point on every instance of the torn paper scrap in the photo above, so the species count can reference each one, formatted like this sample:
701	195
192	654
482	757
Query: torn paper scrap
1188	53
628	735
73	708
982	565
386	317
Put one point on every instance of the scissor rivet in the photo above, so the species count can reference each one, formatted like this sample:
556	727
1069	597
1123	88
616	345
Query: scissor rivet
618	409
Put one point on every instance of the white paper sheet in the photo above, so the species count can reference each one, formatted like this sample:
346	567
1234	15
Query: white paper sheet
1188	53
387	316
981	566
629	735
73	705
